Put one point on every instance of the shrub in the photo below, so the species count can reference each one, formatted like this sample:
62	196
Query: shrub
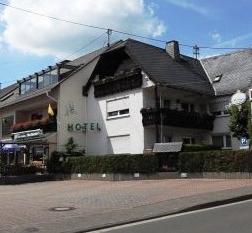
199	147
215	161
17	170
104	164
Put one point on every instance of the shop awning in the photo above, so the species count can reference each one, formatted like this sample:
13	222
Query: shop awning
11	148
170	147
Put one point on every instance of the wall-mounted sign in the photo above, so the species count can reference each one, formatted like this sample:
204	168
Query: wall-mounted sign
70	109
28	135
238	98
83	127
244	144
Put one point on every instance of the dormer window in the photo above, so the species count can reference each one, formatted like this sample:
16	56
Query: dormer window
217	78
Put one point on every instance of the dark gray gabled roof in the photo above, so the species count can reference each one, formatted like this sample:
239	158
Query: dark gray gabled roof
7	90
184	74
235	70
87	57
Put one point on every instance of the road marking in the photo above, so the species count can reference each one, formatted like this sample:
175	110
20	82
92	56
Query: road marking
167	217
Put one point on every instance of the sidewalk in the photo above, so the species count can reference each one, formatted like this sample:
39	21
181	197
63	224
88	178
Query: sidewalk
27	208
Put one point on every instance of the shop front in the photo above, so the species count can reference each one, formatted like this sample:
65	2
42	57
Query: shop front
28	148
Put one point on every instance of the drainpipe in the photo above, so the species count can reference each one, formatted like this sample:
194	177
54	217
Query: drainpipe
157	106
50	97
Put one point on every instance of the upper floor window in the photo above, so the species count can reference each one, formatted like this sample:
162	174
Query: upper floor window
39	82
118	107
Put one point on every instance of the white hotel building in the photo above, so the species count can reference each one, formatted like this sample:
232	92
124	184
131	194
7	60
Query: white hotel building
124	99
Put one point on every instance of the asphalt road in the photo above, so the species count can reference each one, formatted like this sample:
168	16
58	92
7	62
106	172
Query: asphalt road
232	218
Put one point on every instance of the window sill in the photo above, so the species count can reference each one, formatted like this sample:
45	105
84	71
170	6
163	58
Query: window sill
118	117
221	116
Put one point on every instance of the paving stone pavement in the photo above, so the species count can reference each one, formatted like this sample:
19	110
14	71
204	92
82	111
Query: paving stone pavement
27	208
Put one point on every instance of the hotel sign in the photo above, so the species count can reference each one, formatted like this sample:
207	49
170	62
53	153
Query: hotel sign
28	135
83	127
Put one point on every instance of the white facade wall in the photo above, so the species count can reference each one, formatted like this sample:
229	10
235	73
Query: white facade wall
72	107
119	132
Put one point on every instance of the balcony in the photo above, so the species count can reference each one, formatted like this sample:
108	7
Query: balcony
176	118
47	125
118	83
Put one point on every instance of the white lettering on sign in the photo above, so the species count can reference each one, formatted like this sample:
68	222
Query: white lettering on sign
28	134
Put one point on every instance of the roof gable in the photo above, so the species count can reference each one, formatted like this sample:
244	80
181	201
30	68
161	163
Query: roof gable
235	70
164	70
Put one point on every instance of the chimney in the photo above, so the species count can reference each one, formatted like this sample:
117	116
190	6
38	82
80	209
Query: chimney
172	48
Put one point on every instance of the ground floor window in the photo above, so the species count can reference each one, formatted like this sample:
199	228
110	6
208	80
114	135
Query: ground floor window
118	144
222	141
188	140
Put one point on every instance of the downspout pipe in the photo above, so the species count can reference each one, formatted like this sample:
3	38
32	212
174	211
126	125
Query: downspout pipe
157	116
50	97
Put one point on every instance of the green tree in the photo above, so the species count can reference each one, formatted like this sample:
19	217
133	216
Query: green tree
70	146
240	120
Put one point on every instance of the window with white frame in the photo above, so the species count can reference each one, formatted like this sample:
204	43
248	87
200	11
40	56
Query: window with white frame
118	144
222	141
118	107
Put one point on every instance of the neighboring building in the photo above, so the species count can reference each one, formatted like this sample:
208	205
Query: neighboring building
124	99
227	73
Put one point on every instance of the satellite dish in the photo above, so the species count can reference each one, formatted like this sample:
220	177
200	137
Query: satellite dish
238	98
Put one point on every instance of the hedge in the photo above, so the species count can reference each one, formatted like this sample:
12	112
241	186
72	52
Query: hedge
199	147
123	163
215	161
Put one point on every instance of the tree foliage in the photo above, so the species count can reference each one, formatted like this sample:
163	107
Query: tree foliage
240	120
70	146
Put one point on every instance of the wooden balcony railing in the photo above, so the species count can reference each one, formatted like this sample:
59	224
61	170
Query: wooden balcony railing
177	118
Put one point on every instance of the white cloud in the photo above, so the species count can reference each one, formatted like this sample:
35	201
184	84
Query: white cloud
216	37
236	41
42	36
187	4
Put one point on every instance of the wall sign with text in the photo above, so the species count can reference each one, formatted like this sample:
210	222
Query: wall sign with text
83	127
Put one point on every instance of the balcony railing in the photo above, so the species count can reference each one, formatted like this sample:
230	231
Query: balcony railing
176	118
47	125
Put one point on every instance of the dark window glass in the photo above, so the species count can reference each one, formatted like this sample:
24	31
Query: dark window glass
167	103
186	140
228	141
124	112
111	114
192	109
185	107
218	141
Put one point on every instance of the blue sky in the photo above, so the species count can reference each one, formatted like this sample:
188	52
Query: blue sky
29	43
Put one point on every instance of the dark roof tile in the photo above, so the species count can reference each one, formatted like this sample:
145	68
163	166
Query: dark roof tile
235	68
